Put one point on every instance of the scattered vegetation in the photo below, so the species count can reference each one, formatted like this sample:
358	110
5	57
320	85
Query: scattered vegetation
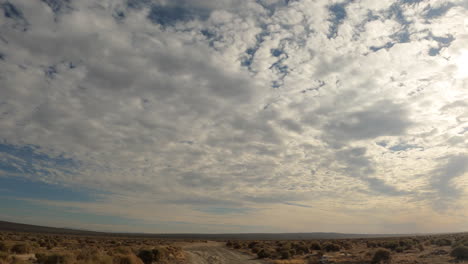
417	249
29	248
381	256
460	253
20	248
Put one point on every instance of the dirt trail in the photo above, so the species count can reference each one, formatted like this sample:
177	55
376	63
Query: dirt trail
216	253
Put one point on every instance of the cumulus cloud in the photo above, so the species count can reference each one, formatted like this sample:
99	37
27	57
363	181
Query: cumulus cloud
242	106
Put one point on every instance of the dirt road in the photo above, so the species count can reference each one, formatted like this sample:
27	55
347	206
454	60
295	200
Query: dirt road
217	253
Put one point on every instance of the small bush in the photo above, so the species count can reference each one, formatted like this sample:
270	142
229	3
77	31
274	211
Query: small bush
20	248
3	247
4	256
399	249
420	247
255	250
381	256
93	256
252	244
264	254
150	256
55	259
331	247
146	256
126	259
442	242
301	249
315	246
461	242
285	254
371	244
460	253
392	245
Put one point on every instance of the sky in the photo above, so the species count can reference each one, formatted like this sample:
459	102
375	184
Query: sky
227	116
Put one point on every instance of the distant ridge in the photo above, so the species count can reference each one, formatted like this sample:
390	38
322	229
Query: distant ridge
18	227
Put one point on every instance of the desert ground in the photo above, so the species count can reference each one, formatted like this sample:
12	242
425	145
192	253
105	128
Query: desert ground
53	246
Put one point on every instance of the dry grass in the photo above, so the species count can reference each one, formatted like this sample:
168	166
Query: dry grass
290	261
433	249
28	248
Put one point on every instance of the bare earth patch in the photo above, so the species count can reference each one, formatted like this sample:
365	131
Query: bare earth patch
216	253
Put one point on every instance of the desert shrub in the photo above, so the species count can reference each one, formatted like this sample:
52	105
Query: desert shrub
3	247
146	256
406	243
264	253
420	247
255	250
371	244
252	244
392	245
460	253
126	259
461	242
21	248
229	243
301	249
93	255
156	254
381	256
331	247
160	253
399	249
4	256
285	254
347	245
237	245
315	246
442	242
54	259
283	246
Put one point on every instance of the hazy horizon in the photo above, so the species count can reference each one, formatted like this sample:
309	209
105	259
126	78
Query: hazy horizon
235	116
341	235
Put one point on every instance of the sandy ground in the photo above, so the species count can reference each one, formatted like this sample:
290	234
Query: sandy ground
216	253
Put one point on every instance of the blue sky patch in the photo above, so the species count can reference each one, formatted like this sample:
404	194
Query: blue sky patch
432	13
403	147
338	15
387	46
28	160
137	4
170	15
26	188
11	11
57	5
20	209
276	52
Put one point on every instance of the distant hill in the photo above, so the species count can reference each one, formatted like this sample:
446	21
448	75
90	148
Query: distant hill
17	227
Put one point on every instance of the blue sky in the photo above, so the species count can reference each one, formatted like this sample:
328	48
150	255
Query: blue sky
235	115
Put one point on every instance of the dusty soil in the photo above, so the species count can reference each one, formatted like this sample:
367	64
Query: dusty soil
216	253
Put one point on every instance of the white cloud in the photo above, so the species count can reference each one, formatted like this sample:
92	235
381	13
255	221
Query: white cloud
252	106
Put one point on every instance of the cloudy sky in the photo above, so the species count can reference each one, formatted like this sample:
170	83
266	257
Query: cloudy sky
235	115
